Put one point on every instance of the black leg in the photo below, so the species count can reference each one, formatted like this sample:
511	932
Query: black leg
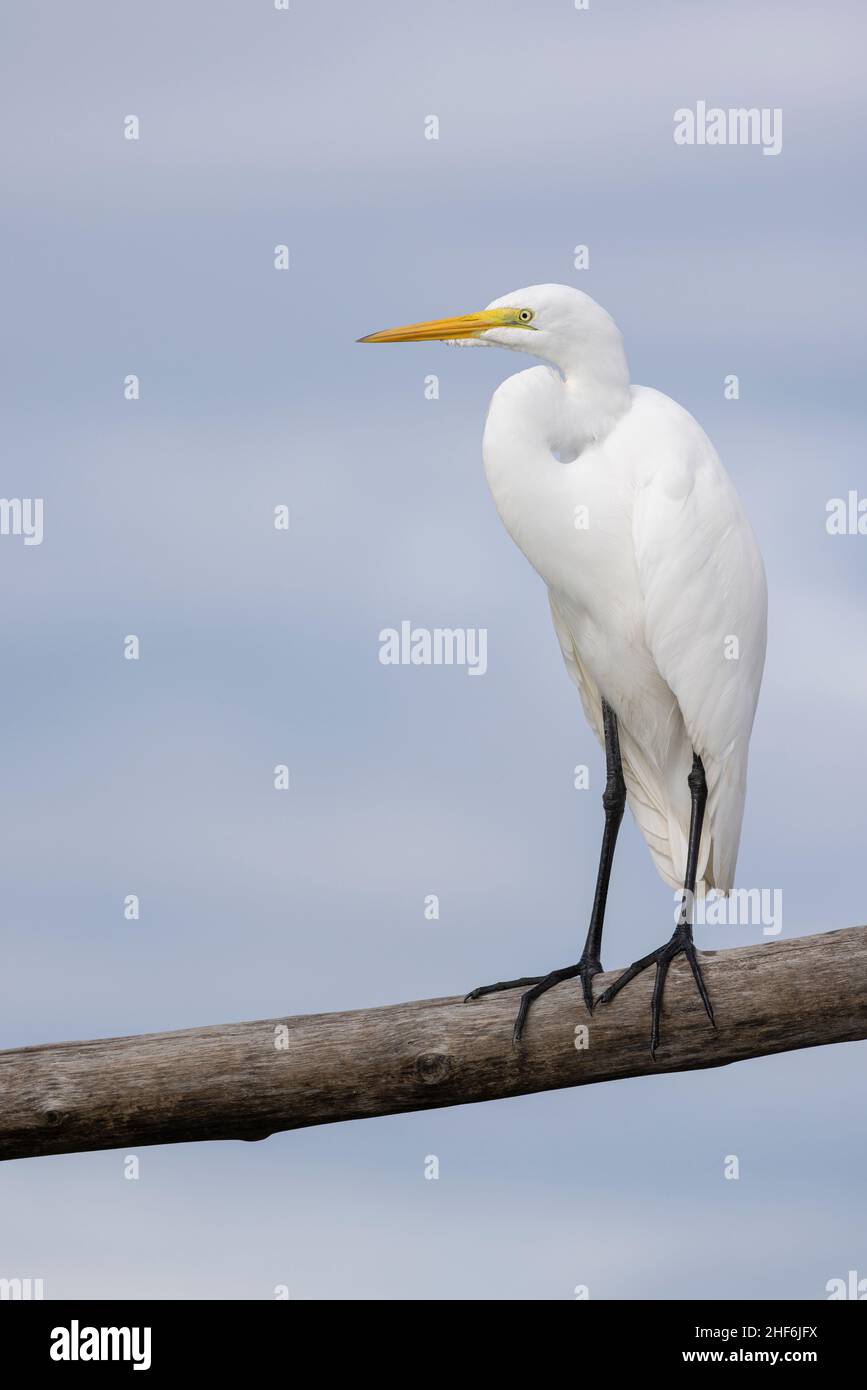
681	941
613	802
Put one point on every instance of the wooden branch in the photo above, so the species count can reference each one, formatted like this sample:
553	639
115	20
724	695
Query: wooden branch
247	1080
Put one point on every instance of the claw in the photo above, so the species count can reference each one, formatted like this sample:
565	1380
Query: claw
680	944
503	984
699	980
539	984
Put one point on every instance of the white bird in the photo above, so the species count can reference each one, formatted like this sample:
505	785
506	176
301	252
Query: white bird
618	499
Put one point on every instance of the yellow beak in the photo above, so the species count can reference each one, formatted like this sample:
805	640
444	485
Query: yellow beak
464	326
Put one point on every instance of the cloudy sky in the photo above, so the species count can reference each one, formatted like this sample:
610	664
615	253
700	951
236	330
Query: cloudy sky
156	257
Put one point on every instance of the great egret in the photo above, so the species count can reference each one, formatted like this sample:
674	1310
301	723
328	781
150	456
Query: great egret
619	501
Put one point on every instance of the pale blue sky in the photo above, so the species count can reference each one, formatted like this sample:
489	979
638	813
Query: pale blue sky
260	127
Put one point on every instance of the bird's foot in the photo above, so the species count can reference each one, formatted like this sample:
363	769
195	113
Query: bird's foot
681	943
586	968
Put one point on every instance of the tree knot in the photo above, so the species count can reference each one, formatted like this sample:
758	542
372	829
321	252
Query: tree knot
433	1066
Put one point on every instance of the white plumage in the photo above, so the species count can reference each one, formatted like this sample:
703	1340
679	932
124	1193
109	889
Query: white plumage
655	579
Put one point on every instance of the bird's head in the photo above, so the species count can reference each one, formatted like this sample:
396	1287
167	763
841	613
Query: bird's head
557	323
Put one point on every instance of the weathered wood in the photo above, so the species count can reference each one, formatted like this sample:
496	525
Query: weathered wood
236	1080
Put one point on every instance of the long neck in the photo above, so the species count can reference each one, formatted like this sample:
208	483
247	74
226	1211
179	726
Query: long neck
596	387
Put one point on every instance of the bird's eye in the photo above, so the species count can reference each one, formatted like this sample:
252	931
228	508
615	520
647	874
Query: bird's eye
525	315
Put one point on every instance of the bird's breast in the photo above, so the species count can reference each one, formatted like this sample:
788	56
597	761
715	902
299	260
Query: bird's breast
572	519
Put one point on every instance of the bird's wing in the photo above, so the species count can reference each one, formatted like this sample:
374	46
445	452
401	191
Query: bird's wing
705	612
655	813
587	689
